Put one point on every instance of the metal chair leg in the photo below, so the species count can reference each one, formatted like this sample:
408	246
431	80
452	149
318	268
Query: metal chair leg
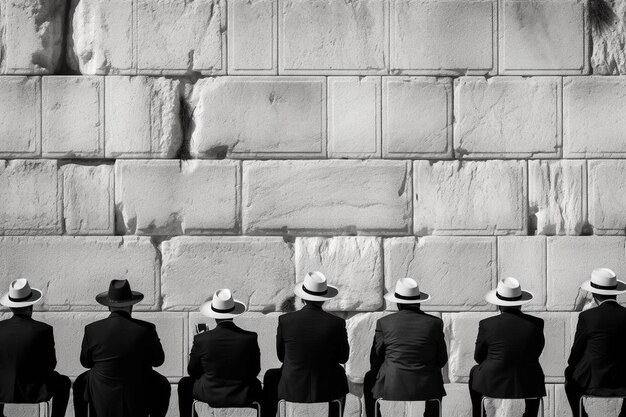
257	405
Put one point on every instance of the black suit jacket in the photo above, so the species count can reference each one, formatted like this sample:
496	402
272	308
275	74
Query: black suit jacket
597	362
27	359
507	351
225	362
121	352
408	353
312	344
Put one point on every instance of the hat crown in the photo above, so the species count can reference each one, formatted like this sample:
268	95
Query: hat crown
119	290
509	288
19	289
604	277
407	287
315	282
223	300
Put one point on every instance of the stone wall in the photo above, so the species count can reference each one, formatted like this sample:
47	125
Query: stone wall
193	145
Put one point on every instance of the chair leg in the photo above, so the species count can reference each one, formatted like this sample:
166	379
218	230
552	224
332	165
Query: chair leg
440	407
580	406
193	408
282	408
257	405
482	406
376	405
339	405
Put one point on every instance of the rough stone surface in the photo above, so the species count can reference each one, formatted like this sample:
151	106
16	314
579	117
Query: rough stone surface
353	264
443	37
557	197
594	407
471	197
507	117
72	270
354	117
543	37
31	198
608	37
20	116
333	37
607	198
176	197
142	117
326	196
260	117
73	117
417	120
593	122
457	272
259	271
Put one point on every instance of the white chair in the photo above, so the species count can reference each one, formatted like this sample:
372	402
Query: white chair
255	404
282	406
47	406
482	403
377	413
584	397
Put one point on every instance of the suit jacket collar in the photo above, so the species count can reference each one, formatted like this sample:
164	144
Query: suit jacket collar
21	317
120	313
312	307
411	309
228	323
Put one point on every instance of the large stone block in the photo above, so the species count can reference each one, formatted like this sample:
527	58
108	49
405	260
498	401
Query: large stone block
557	197
88	201
477	197
443	37
333	37
259	271
31	198
417	119
608	35
20	117
558	332
607	196
593	121
177	37
176	197
73	117
142	116
507	117
72	270
327	197
543	37
245	117
172	329
456	271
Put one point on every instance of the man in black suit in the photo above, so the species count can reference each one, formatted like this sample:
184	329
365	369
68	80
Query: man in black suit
312	344
224	362
27	356
120	352
408	353
597	365
507	351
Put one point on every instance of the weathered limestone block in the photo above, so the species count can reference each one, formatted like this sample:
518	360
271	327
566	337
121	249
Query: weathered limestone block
327	196
176	197
142	116
20	117
177	37
31	198
543	37
333	37
88	201
457	272
557	196
72	270
607	196
361	329
608	37
354	117
353	264
73	117
477	197
245	117
457	402
593	122
418	117
252	37
507	117
259	271
172	330
443	37
558	331
570	262
31	36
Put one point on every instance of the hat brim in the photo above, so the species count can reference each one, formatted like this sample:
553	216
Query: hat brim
331	292
35	297
391	297
621	288
103	298
492	298
206	310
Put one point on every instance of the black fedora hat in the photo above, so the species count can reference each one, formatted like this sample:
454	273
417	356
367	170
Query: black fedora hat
119	295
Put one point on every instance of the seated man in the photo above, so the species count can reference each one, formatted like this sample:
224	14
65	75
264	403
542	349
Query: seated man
597	365
27	356
224	362
408	353
121	351
507	351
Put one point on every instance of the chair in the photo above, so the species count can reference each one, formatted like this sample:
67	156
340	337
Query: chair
282	406
47	406
580	404
377	413
255	404
482	403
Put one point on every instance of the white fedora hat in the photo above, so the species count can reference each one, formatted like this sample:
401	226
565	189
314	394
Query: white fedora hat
604	281
508	293
315	288
223	306
20	294
407	292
